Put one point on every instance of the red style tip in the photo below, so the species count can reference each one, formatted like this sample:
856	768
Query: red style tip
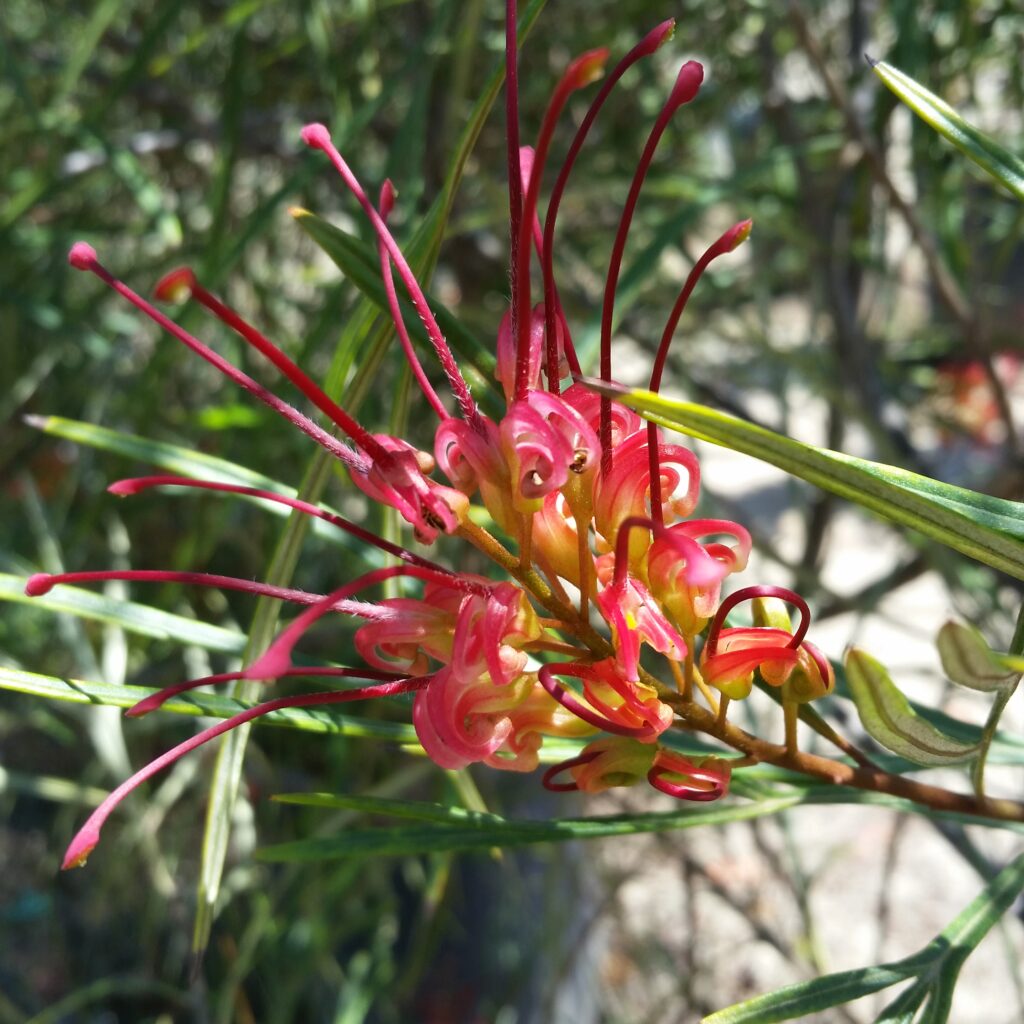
82	256
125	488
316	136
38	584
586	68
688	82
386	200
143	707
176	286
738	234
656	38
81	846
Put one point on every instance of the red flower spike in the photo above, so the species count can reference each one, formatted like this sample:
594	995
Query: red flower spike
687	83
580	73
88	835
316	136
648	45
83	257
729	241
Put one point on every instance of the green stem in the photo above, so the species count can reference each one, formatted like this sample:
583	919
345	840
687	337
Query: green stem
992	722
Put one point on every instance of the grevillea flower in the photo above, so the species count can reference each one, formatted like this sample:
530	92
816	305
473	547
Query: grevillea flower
587	509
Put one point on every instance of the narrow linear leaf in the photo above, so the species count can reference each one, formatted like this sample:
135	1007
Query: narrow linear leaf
812	996
998	162
414	809
199	704
135	618
932	967
508	833
889	718
988	529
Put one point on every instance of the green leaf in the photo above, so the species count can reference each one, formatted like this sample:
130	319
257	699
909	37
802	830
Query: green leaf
808	997
198	703
197	465
493	831
935	968
355	259
988	154
988	529
134	618
889	718
413	809
968	660
171	457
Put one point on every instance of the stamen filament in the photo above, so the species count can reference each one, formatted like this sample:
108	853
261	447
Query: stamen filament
515	184
134	485
732	238
385	203
181	279
648	45
158	699
581	72
89	834
685	88
83	257
318	137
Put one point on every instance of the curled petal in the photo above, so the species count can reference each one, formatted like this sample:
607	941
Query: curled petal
468	454
411	633
605	763
625	423
730	666
622	491
489	633
635	619
690	599
398	480
464	722
539	457
703	780
811	678
613	704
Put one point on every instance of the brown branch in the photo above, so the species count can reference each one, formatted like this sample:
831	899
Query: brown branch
873	780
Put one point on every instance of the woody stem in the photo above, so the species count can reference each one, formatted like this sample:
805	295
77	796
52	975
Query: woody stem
839	774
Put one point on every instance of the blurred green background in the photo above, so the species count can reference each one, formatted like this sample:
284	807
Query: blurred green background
878	284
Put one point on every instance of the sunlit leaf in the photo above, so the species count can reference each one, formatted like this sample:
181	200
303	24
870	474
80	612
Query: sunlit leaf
986	528
988	154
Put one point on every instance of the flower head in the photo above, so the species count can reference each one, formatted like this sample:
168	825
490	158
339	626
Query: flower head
595	502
